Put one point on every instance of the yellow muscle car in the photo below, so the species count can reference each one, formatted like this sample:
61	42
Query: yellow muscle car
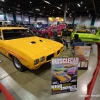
62	76
25	49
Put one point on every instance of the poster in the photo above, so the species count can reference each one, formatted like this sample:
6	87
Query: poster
83	53
64	75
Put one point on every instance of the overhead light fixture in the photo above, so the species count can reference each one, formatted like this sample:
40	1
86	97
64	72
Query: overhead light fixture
58	7
47	2
37	9
9	9
66	11
85	7
87	11
44	7
2	0
41	14
89	15
60	4
53	10
30	2
78	4
81	2
17	12
70	15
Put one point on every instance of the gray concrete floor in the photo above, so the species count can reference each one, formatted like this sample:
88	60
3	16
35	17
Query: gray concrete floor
36	85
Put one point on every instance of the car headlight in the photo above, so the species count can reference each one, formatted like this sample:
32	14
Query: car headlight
36	61
42	59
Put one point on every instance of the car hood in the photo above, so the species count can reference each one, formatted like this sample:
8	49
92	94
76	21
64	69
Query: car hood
84	35
34	45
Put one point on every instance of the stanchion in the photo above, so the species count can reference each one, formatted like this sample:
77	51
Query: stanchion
95	74
6	94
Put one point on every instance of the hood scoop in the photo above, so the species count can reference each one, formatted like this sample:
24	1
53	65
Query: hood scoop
33	42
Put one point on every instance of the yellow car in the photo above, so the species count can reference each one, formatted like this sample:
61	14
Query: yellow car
25	49
62	76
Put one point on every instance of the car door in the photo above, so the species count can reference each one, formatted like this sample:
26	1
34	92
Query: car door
2	50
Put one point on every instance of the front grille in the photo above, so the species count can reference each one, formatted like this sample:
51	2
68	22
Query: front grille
50	56
58	52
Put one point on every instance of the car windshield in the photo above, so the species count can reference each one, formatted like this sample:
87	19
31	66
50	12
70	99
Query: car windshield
86	30
16	33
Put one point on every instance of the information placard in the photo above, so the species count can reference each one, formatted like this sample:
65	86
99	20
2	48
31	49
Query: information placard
64	75
83	53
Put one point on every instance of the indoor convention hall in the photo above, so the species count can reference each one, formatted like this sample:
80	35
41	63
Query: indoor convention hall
49	50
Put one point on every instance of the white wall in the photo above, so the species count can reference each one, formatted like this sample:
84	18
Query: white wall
77	20
9	16
25	18
97	22
32	20
69	20
1	17
43	20
86	21
52	23
18	18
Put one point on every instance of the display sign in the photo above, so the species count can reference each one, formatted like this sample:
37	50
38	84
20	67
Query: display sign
56	19
83	53
64	75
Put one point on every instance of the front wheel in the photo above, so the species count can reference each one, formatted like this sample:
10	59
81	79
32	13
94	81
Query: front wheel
18	65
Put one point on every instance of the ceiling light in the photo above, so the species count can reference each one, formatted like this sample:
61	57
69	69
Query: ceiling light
53	10
17	12
81	2
61	5
41	14
30	2
85	7
70	15
44	7
87	11
37	9
2	0
46	2
58	7
66	11
9	9
78	4
89	15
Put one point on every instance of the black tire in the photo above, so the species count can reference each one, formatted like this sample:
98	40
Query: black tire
18	65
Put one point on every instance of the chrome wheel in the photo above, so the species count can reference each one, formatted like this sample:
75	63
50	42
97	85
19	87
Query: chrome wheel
17	63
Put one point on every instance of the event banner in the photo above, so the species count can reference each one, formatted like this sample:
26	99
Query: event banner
83	53
64	75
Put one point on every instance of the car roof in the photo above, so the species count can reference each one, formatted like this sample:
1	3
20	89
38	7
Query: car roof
3	28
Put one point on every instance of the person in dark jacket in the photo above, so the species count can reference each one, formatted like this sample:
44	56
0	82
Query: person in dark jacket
65	42
76	39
